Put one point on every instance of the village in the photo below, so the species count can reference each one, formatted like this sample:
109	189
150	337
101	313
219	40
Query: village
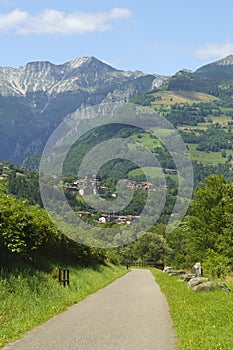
93	186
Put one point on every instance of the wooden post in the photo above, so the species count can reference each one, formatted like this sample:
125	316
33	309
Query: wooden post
60	275
64	276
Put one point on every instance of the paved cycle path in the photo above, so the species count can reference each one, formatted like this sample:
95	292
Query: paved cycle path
129	314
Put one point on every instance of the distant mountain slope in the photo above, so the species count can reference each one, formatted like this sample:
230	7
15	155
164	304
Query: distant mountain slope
222	69
86	73
215	79
35	98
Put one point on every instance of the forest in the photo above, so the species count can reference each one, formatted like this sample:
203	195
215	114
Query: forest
205	234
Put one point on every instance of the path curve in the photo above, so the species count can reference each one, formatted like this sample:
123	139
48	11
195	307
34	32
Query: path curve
129	314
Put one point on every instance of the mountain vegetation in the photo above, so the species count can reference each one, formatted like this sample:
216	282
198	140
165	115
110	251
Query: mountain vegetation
27	234
206	232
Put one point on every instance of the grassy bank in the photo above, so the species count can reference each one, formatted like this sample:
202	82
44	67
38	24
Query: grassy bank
30	297
202	320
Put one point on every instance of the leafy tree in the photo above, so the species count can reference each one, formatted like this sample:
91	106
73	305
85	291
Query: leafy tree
27	233
151	246
208	225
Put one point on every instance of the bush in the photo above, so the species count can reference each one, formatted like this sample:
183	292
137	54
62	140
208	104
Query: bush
215	265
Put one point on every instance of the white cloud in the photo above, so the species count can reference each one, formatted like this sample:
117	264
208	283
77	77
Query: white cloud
214	50
56	22
119	13
12	20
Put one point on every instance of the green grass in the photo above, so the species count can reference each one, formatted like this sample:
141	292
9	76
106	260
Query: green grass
201	320
211	158
173	97
200	126
150	171
31	297
146	140
222	119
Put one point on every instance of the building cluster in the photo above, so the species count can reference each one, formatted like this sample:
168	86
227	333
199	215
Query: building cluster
107	218
119	219
91	185
88	185
5	169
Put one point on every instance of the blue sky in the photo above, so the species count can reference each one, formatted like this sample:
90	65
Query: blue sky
152	36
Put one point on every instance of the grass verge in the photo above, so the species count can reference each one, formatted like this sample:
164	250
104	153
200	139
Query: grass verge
30	297
201	320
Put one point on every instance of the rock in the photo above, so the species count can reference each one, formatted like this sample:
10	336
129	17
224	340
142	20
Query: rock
222	286
168	269
186	277
210	286
176	272
197	269
197	280
203	287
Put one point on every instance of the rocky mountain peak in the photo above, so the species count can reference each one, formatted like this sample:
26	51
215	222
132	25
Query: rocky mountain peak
221	69
227	61
42	94
84	63
77	62
38	65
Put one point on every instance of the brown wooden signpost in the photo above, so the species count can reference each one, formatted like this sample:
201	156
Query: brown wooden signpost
64	276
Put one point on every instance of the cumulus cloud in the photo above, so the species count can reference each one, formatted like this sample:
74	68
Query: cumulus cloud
214	50
56	22
12	20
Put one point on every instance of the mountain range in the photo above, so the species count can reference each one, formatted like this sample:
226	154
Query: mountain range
35	98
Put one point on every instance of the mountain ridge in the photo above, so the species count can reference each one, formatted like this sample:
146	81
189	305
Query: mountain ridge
35	98
82	72
220	69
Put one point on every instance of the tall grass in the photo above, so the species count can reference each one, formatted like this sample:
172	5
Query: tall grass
30	297
201	320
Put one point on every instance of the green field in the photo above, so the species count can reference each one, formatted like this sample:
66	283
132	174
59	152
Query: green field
222	119
200	126
211	158
149	171
146	140
151	141
172	97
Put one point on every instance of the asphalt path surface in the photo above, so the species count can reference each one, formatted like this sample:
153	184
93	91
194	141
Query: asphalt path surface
129	314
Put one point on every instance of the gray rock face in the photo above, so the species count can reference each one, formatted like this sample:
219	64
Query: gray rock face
168	269
210	286
196	281
84	72
197	269
177	272
37	97
203	287
222	286
187	277
173	272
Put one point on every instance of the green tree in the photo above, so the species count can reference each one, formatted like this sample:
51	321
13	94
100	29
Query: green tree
208	225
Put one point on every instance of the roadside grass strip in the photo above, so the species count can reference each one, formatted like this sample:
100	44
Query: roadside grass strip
202	320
